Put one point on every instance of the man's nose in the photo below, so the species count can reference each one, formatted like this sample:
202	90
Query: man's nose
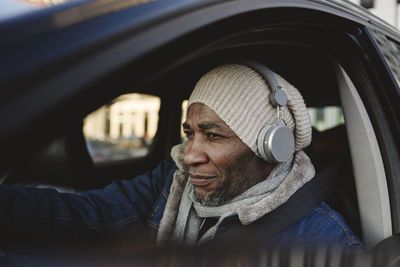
194	153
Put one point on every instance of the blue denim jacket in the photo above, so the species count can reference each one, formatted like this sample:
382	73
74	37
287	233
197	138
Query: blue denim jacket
33	211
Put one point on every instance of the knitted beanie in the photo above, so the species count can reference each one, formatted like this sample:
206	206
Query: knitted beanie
240	97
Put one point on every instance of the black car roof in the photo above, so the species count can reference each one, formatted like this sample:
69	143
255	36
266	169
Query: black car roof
74	11
31	39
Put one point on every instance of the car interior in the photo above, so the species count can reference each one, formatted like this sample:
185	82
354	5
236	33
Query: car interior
298	54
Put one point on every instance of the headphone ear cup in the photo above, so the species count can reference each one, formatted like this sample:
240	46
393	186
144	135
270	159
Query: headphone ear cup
261	140
275	143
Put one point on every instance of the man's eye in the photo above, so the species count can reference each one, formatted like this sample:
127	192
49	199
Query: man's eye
188	133
213	135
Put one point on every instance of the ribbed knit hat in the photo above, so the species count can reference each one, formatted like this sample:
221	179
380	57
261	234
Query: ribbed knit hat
240	97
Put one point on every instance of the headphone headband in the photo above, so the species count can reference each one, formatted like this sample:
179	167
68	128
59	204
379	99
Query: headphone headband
275	142
278	97
265	72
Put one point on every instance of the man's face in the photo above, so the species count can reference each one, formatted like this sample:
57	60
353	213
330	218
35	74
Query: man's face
220	165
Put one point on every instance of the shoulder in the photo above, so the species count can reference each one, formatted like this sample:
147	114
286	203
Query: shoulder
165	168
321	227
153	182
332	224
168	168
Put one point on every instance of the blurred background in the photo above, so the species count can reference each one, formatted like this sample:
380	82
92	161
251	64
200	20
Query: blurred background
388	10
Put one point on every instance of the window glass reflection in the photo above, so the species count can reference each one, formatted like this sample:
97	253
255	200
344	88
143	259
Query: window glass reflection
123	129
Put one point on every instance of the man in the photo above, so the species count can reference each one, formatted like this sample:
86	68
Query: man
218	178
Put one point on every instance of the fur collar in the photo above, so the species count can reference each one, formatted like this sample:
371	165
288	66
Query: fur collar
302	172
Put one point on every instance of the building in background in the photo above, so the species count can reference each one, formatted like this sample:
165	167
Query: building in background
129	116
123	129
388	10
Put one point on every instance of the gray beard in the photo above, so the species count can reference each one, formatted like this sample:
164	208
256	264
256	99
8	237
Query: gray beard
230	188
215	199
227	191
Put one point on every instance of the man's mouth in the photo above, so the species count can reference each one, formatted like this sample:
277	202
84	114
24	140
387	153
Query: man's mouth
200	180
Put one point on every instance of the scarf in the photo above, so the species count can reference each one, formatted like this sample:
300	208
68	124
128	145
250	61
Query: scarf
184	215
192	213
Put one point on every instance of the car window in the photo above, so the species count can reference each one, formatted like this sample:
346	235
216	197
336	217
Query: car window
123	129
324	118
394	61
391	51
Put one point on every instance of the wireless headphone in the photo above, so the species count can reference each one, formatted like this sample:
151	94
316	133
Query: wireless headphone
275	142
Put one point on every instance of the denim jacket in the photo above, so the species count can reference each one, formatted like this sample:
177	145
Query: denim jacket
34	212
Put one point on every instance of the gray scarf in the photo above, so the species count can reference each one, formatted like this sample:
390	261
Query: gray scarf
192	213
183	215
